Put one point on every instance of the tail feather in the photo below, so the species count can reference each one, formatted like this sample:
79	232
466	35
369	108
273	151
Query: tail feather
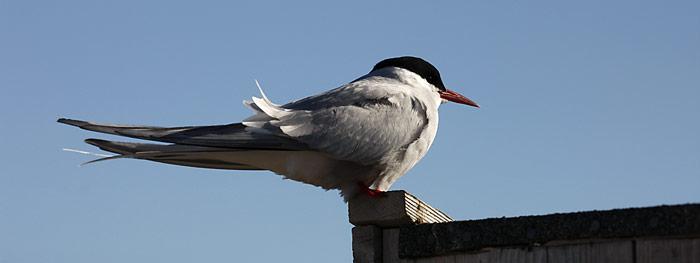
194	156
103	128
231	136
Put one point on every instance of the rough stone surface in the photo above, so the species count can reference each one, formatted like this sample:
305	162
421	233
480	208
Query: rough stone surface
463	236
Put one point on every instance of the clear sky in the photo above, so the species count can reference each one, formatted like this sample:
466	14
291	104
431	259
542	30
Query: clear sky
585	105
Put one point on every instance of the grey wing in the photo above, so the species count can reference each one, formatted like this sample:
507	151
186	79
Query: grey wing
193	156
355	122
235	135
363	134
373	89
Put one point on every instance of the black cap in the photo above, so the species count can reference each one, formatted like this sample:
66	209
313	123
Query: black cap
416	65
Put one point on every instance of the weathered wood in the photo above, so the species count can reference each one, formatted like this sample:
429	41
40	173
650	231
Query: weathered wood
489	255
389	230
429	240
617	251
504	255
367	244
647	251
395	208
668	250
390	245
440	259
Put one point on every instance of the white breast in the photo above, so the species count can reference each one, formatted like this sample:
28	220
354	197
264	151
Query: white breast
405	159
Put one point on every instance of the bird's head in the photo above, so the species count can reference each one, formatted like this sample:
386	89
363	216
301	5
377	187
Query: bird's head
428	72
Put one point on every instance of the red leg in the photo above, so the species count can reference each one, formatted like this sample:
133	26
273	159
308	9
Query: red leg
370	192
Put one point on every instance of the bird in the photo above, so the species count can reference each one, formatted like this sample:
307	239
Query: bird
357	138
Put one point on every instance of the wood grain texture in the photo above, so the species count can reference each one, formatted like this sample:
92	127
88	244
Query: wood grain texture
390	243
505	255
367	244
429	240
399	228
491	255
685	250
395	208
614	251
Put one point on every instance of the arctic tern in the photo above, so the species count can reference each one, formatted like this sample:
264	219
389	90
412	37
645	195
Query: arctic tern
358	138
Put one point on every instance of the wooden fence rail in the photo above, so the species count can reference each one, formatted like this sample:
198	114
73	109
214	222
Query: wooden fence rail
401	228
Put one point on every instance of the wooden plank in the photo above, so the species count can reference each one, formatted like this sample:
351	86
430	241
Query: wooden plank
390	245
505	255
367	244
668	250
394	209
438	259
685	250
615	251
391	250
522	255
427	240
492	255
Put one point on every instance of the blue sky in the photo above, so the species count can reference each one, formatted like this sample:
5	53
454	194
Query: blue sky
585	105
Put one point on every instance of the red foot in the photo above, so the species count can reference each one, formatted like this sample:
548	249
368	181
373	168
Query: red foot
371	192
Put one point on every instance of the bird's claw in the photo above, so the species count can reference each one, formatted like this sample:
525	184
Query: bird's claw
371	192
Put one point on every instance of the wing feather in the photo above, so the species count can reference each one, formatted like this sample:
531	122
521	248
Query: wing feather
357	122
193	156
235	135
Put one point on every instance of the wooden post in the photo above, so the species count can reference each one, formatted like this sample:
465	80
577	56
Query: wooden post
394	209
393	225
367	244
377	219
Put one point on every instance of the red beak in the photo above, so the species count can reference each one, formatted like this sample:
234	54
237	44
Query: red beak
456	97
